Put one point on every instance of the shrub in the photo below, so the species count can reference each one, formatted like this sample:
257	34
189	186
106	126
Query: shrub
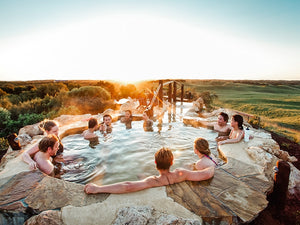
2	93
4	119
51	89
89	92
128	91
3	144
5	103
30	118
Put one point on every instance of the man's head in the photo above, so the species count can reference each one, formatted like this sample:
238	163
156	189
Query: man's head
164	159
107	119
92	122
49	144
222	118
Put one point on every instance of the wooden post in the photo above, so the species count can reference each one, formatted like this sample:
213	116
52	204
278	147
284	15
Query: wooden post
174	92
182	89
170	93
160	94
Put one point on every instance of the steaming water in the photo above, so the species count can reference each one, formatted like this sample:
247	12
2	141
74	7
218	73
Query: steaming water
129	154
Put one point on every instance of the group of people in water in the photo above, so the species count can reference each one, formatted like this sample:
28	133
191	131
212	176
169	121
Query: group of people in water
48	152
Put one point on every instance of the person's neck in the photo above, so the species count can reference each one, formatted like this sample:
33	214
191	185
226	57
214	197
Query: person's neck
200	155
46	155
163	172
235	128
222	124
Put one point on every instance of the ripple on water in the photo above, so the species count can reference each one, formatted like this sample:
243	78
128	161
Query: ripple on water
129	154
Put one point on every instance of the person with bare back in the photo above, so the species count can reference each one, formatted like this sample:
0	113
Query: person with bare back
163	160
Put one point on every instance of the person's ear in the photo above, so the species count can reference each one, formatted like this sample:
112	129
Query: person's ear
49	149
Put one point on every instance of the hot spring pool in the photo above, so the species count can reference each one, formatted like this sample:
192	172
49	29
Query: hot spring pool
129	154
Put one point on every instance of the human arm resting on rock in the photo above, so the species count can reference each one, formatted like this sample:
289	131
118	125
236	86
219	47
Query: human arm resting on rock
122	187
237	139
26	156
197	175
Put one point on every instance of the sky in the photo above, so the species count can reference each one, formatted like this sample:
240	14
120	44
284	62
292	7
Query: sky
127	40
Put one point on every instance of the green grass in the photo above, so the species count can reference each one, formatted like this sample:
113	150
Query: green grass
278	106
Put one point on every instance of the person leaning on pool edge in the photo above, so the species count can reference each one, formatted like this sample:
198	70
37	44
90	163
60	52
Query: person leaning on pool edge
163	160
50	127
48	147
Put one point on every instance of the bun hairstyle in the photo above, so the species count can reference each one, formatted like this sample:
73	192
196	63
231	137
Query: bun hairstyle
47	125
202	146
239	119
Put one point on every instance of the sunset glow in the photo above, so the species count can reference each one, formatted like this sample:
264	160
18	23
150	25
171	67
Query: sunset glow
130	45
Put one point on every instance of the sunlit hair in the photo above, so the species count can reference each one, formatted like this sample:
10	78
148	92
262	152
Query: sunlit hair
107	115
92	122
48	141
164	159
48	124
239	119
202	146
225	116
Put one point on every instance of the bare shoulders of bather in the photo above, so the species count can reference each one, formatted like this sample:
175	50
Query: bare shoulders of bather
87	134
164	179
222	130
44	164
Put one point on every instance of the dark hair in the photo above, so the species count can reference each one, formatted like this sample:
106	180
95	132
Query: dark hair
48	124
202	146
107	115
225	116
13	141
48	141
163	158
239	119
92	122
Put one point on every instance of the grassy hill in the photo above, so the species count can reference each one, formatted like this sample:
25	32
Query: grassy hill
276	103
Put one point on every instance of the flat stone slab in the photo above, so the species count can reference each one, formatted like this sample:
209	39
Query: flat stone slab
17	189
52	193
199	200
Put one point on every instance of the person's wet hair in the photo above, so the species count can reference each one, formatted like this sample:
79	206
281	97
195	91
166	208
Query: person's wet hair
92	122
163	158
48	124
107	115
48	141
225	116
239	120
202	146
